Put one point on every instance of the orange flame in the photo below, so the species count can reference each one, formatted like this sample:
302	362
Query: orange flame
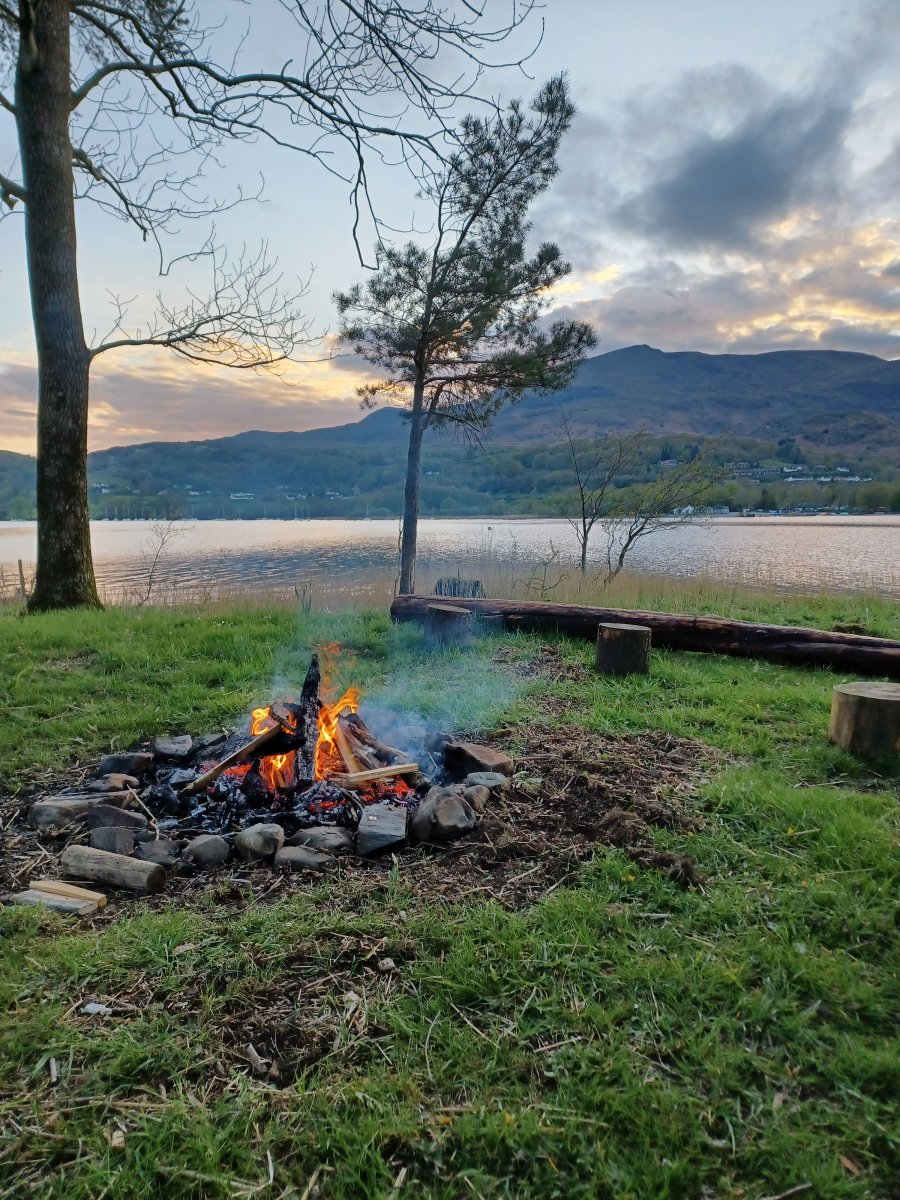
277	770
328	754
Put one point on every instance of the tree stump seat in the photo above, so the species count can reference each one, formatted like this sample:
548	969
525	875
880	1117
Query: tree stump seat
865	718
622	649
447	625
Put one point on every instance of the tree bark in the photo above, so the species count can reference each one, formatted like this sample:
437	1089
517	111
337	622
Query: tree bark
675	631
411	496
65	573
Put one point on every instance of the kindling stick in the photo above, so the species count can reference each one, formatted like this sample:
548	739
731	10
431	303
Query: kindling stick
236	756
371	776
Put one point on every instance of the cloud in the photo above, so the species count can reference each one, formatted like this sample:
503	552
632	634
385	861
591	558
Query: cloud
807	291
719	190
143	398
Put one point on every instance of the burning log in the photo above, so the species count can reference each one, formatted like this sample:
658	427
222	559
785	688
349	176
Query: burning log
362	777
308	723
343	743
361	731
239	755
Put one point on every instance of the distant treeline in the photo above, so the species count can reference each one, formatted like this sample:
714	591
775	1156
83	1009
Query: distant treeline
267	478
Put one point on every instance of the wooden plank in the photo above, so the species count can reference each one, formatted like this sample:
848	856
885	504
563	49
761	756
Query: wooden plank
359	777
58	887
676	631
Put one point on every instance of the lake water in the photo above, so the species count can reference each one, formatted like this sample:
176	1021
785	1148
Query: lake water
808	553
804	553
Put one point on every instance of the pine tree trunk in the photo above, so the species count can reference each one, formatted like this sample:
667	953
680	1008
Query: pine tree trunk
65	573
411	499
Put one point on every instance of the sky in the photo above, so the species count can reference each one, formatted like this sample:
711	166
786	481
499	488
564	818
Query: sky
730	184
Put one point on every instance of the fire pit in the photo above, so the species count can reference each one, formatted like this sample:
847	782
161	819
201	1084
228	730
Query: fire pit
307	781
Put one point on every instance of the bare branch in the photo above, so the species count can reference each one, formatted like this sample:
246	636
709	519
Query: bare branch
247	322
11	192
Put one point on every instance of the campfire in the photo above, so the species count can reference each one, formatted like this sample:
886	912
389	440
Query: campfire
306	760
304	780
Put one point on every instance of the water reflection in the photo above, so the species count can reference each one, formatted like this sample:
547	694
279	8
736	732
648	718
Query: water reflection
835	553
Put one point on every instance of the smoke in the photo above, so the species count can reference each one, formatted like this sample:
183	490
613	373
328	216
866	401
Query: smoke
409	691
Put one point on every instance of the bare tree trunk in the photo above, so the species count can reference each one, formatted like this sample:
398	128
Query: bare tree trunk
411	497
585	534
65	573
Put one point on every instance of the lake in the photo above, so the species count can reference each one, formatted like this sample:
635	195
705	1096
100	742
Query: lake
802	553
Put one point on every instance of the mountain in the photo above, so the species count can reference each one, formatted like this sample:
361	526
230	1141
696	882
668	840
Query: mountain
818	396
825	407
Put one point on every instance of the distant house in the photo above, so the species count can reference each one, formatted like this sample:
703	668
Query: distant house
242	496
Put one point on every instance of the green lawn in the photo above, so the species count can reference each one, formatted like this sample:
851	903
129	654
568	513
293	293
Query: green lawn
622	1038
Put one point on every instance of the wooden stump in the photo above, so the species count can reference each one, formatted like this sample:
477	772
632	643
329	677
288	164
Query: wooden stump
622	649
865	718
446	625
84	862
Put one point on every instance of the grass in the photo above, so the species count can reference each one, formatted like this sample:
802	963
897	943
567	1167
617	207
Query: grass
623	1038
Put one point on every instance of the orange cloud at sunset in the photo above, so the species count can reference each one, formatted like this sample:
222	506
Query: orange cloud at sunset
147	397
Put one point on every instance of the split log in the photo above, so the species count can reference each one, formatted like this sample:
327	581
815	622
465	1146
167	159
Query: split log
63	904
239	755
362	777
364	756
674	631
346	749
361	731
865	718
116	869
622	649
447	625
56	887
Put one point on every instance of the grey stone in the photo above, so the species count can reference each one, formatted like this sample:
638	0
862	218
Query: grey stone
161	850
493	780
137	764
479	797
301	858
114	838
208	850
58	811
112	783
465	757
181	776
258	841
207	740
442	816
380	826
175	749
105	815
322	837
